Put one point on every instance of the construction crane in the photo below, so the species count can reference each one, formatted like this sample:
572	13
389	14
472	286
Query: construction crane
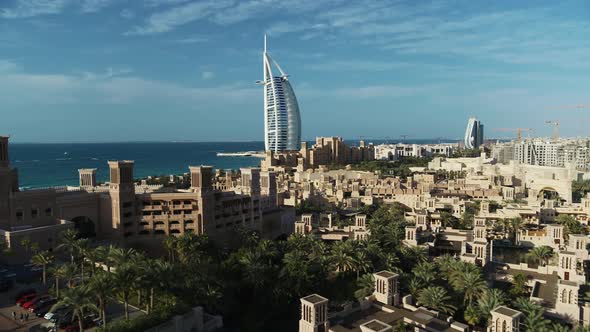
518	131
562	107
555	124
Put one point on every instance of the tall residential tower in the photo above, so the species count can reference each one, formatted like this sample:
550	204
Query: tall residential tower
473	134
282	122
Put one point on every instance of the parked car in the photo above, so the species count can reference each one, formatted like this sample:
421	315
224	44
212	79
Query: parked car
35	300
5	284
24	292
25	299
42	311
54	315
45	302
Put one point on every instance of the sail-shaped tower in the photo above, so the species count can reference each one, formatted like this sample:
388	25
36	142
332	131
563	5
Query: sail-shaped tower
282	121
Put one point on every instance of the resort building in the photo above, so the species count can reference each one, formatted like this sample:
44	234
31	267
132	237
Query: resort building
326	151
135	214
397	151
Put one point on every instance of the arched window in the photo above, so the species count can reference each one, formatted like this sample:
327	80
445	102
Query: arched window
570	297
504	329
563	296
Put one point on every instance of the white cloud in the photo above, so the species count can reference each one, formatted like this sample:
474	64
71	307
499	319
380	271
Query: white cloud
31	8
191	40
158	3
93	6
169	19
207	75
114	86
127	14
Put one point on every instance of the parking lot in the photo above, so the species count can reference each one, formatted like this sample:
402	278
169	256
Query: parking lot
26	277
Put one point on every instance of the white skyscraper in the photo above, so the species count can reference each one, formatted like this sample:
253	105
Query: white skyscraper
473	134
282	121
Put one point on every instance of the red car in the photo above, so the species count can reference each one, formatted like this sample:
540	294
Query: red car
34	301
25	298
49	301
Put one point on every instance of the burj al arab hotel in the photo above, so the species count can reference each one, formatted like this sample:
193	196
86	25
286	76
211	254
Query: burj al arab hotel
282	121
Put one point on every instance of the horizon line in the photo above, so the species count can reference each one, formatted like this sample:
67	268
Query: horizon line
355	139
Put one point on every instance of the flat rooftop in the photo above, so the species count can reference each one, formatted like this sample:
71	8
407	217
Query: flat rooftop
386	274
376	325
314	298
506	311
353	322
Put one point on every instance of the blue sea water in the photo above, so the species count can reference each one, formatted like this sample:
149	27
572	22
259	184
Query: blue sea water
57	164
42	165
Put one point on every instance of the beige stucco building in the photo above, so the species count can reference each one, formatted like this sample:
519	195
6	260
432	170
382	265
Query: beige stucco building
134	214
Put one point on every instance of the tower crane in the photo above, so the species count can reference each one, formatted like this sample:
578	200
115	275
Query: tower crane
555	124
518	131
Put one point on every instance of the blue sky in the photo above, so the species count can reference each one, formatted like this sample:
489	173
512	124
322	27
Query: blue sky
137	70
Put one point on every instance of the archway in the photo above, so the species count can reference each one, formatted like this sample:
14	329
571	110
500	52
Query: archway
85	226
549	193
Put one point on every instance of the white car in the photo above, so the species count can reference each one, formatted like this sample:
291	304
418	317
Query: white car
50	315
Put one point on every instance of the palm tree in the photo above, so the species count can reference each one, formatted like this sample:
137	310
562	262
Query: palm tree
436	297
533	315
365	286
97	255
170	246
68	241
425	271
415	285
78	301
361	263
556	327
541	254
470	283
255	268
83	249
121	256
26	243
161	276
69	272
101	285
516	224
342	259
489	300
519	281
124	277
59	273
471	315
43	259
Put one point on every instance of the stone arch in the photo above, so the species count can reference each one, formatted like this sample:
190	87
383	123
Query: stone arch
549	193
85	226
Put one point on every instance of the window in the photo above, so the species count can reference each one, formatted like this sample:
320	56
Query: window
19	215
34	213
48	212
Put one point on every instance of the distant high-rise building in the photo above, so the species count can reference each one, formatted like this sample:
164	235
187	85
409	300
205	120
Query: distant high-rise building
282	121
473	134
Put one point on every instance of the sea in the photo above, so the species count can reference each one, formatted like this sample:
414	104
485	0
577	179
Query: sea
47	165
56	164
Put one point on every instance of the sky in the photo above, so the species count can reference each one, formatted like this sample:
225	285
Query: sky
164	70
